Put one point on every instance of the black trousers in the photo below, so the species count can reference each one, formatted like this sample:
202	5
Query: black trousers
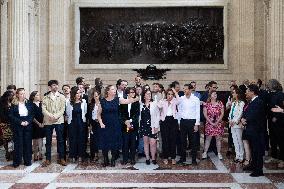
94	138
129	145
280	138
187	128
257	144
169	128
22	138
273	138
113	154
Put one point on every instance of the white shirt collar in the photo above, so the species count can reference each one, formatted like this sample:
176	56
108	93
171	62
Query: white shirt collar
253	98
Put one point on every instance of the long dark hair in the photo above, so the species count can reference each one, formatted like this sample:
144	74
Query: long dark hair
143	95
73	93
92	101
32	96
5	100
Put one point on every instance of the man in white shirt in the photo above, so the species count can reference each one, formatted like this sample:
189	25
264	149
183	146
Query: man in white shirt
189	113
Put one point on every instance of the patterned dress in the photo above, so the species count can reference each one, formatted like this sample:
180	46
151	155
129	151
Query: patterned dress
214	112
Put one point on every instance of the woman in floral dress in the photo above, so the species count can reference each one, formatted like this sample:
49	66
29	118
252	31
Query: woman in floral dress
213	112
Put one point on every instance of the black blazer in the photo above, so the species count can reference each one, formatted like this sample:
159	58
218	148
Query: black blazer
15	117
254	114
134	115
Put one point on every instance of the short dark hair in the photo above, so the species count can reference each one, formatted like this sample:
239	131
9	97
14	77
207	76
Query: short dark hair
212	83
189	86
173	84
234	86
79	80
192	82
65	85
254	88
51	82
9	87
128	89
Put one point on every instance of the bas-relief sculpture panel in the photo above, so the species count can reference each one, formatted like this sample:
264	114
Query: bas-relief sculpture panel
223	73
165	55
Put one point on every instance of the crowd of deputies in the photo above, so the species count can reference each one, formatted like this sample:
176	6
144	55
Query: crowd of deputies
127	120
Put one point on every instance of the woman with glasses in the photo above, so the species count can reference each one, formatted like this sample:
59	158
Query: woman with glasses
130	123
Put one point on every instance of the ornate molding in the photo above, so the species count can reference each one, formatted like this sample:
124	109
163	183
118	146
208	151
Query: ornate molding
2	2
36	7
267	6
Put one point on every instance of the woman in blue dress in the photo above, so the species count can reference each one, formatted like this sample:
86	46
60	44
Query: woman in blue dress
110	136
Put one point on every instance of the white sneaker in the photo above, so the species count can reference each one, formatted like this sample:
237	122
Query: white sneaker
204	155
220	156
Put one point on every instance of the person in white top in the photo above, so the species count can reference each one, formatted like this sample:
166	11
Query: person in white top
169	125
93	109
21	116
76	111
235	115
189	113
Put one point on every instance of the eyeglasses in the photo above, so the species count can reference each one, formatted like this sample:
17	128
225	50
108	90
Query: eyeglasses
215	87
132	92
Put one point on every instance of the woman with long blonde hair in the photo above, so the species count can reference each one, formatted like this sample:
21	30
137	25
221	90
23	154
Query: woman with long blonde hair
21	116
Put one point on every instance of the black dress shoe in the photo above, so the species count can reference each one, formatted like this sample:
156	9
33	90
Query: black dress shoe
194	162
112	162
256	174
147	162
180	162
28	164
247	168
15	165
132	162
154	162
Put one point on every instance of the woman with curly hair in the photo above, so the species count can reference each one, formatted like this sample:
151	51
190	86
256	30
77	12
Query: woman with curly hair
5	126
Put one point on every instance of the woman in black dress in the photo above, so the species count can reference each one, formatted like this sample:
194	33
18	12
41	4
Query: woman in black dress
76	111
37	124
110	128
149	125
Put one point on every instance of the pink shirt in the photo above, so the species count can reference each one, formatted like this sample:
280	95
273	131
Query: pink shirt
164	105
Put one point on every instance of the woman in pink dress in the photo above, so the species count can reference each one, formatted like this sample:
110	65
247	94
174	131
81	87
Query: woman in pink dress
213	112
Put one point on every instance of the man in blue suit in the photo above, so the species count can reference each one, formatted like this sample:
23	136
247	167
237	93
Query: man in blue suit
254	124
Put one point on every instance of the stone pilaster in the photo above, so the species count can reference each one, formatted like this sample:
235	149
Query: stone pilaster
275	39
19	43
57	40
246	39
4	44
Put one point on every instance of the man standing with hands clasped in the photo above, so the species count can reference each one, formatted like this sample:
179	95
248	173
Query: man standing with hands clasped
190	120
53	107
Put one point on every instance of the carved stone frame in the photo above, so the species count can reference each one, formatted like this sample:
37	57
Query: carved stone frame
148	3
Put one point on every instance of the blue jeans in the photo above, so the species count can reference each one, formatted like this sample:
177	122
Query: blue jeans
59	129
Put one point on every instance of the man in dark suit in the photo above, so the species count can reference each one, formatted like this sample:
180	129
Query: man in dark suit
253	120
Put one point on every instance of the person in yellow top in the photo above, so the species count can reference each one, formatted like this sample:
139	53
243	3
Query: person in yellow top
53	107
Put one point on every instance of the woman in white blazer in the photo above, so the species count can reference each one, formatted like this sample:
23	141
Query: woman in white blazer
235	115
149	125
76	111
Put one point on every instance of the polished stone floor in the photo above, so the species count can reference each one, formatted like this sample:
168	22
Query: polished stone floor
210	173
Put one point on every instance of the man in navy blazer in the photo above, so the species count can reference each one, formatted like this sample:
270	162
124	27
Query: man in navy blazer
253	120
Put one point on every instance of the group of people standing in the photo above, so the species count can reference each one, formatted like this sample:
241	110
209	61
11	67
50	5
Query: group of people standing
133	119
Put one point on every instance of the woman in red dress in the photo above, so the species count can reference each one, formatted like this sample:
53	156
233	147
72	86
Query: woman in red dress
213	112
